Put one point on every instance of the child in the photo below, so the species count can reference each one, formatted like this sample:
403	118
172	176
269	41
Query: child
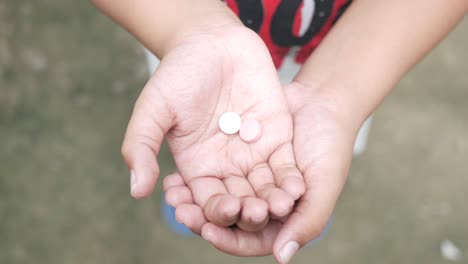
366	53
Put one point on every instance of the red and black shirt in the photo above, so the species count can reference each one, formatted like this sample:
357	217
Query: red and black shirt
285	24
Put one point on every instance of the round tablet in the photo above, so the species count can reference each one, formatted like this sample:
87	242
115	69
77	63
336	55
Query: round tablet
230	123
250	130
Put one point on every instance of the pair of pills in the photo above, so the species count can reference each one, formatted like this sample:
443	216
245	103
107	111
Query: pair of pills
249	129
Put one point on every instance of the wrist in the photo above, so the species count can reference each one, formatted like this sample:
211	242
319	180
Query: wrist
159	24
356	87
200	24
332	101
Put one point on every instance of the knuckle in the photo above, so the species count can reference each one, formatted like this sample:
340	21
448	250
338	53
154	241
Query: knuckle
125	152
313	231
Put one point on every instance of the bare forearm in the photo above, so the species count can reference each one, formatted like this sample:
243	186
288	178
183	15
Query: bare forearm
375	44
159	24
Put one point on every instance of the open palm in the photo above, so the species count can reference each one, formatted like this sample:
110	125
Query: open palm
323	141
200	79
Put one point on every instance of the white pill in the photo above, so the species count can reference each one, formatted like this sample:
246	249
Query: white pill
230	122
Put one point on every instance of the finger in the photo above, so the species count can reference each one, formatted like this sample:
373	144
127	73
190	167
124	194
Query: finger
191	216
254	214
172	180
219	207
287	175
238	186
150	121
311	214
178	195
279	202
237	242
223	209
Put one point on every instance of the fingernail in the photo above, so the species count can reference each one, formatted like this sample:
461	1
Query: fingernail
133	181
205	236
288	251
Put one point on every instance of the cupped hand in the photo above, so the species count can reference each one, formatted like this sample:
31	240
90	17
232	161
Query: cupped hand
232	181
324	135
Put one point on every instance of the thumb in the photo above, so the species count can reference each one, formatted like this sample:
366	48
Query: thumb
150	121
312	212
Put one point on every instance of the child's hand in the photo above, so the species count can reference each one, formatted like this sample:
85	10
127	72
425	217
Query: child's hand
324	134
202	77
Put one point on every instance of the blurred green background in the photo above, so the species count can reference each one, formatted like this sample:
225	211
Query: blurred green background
68	81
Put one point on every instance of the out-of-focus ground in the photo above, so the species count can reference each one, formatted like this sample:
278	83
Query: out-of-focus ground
68	80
